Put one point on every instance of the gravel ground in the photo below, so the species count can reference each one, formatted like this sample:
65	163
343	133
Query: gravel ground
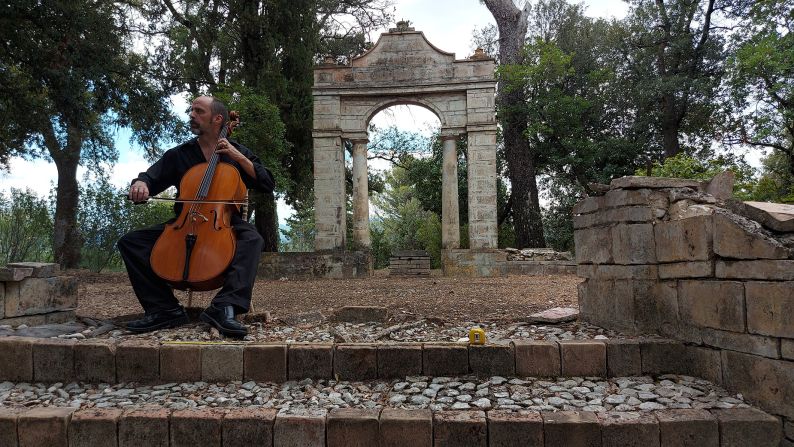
439	393
110	296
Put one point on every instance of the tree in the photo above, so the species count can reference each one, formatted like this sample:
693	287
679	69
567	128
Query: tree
675	57
267	47
67	77
762	86
521	160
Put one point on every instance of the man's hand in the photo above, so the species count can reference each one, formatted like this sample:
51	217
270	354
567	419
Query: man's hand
139	192
228	149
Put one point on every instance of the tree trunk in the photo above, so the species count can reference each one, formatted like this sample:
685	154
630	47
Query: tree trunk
66	237
266	220
520	158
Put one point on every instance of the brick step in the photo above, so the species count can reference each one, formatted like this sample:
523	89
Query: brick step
344	427
56	360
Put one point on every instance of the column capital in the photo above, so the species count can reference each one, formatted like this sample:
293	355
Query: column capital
356	137
359	140
452	133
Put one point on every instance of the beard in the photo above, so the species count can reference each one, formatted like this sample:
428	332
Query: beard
195	129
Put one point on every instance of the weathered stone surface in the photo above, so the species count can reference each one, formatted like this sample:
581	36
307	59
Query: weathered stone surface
147	427
702	269
17	355
571	428
399	360
310	265
607	303
587	205
691	195
400	427
492	360
787	349
356	362
623	358
633	244
609	271
40	295
554	315
593	246
360	314
95	362
636	182
769	270
138	361
248	426
44	426
537	358
775	216
220	363
703	362
712	304
628	429
583	358
763	381
94	427
352	427
40	269
655	307
199	428
180	363
736	237
721	186
477	263
53	360
684	240
747	426
628	197
460	429
15	274
695	428
742	342
511	429
445	359
314	361
627	214
662	357
8	426
299	431
265	363
770	306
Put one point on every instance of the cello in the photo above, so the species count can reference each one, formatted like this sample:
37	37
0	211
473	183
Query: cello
194	251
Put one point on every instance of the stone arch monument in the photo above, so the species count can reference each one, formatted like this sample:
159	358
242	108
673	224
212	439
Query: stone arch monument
404	68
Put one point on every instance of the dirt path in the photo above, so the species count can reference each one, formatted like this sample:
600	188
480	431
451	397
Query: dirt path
109	295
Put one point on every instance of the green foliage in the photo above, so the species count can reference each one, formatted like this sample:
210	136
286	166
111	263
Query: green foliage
300	230
25	228
689	167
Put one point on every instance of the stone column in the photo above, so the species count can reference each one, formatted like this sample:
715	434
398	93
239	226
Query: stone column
329	191
450	221
483	228
361	237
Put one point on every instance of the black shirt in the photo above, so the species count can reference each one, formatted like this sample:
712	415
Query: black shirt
170	168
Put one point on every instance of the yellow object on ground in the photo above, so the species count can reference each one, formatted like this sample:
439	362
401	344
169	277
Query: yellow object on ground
476	336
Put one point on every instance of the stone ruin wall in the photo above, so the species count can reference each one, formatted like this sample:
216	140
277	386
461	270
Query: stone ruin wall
34	293
663	256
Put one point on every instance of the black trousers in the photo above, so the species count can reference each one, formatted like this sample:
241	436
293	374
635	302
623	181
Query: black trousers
156	295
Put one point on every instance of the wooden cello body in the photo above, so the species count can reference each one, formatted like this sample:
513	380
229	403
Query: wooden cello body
194	252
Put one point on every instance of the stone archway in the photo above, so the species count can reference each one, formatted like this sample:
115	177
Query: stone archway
404	68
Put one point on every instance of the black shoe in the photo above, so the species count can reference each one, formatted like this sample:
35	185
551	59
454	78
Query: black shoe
159	320
222	317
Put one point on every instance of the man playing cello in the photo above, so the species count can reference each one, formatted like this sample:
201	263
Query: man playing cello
161	308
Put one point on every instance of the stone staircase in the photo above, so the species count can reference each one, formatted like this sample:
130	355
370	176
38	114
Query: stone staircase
386	423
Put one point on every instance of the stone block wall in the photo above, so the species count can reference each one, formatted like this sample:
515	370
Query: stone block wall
313	265
33	293
663	256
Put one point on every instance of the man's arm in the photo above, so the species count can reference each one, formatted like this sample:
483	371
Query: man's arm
254	174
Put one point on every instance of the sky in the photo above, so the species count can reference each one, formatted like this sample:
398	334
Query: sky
447	24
